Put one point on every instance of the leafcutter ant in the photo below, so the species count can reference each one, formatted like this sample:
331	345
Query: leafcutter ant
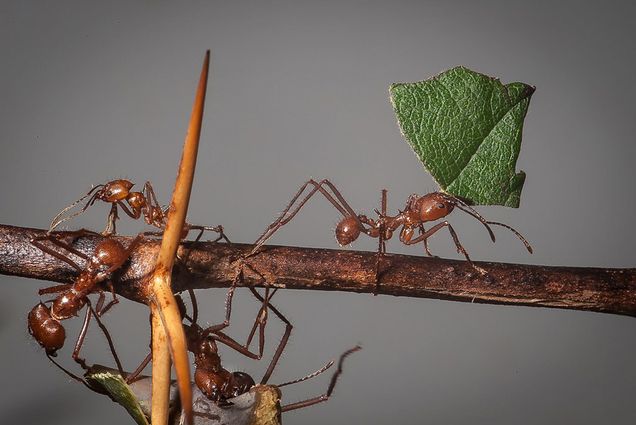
419	209
45	322
119	194
219	385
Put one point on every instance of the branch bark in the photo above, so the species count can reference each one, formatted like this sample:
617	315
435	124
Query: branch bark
208	265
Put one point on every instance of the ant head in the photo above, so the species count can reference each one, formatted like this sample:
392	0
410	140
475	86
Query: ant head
46	330
240	384
116	190
433	206
347	230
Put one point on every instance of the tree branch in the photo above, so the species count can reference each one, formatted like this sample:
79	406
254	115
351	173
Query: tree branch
211	265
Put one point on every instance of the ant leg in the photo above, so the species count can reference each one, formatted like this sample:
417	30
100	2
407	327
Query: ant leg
238	277
332	385
381	242
38	242
283	341
101	310
54	289
110	223
132	214
202	229
195	306
133	376
100	302
75	377
80	340
428	252
459	246
290	211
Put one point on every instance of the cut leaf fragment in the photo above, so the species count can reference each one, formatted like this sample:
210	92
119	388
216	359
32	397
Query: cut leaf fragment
119	391
466	129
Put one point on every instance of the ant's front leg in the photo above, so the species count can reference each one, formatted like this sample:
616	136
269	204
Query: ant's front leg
407	232
428	252
113	216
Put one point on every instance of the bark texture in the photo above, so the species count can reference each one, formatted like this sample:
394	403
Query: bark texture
207	265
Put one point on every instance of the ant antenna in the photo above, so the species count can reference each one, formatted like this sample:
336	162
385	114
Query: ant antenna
471	211
56	221
468	209
519	235
311	375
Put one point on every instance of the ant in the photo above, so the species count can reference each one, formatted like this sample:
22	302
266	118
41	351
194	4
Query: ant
419	209
202	343
119	193
45	322
219	385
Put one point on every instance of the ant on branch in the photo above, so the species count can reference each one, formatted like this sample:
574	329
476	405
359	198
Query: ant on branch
419	209
45	322
144	204
218	384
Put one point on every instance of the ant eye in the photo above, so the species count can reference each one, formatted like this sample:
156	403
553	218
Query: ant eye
441	206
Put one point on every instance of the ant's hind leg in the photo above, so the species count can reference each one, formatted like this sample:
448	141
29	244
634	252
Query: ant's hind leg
104	330
293	207
56	238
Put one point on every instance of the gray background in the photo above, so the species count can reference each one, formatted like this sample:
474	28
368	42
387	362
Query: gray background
91	92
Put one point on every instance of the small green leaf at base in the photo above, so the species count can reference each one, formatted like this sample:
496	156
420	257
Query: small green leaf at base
466	129
120	392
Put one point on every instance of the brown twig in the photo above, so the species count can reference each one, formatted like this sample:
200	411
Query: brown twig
168	338
212	265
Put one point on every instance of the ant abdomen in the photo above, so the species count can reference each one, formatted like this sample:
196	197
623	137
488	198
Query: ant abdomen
347	230
46	330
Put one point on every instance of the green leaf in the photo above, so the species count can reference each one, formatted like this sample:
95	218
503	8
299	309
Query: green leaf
119	392
466	128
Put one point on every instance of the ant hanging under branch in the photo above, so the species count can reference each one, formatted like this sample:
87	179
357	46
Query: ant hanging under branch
144	204
45	322
419	209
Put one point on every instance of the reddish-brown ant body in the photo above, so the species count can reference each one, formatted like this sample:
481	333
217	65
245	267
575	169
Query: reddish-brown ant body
135	204
419	209
45	322
219	385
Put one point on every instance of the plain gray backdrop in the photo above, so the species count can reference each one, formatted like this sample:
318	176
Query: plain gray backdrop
91	91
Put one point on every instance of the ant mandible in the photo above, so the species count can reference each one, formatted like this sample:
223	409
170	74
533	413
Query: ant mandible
45	322
419	209
119	193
